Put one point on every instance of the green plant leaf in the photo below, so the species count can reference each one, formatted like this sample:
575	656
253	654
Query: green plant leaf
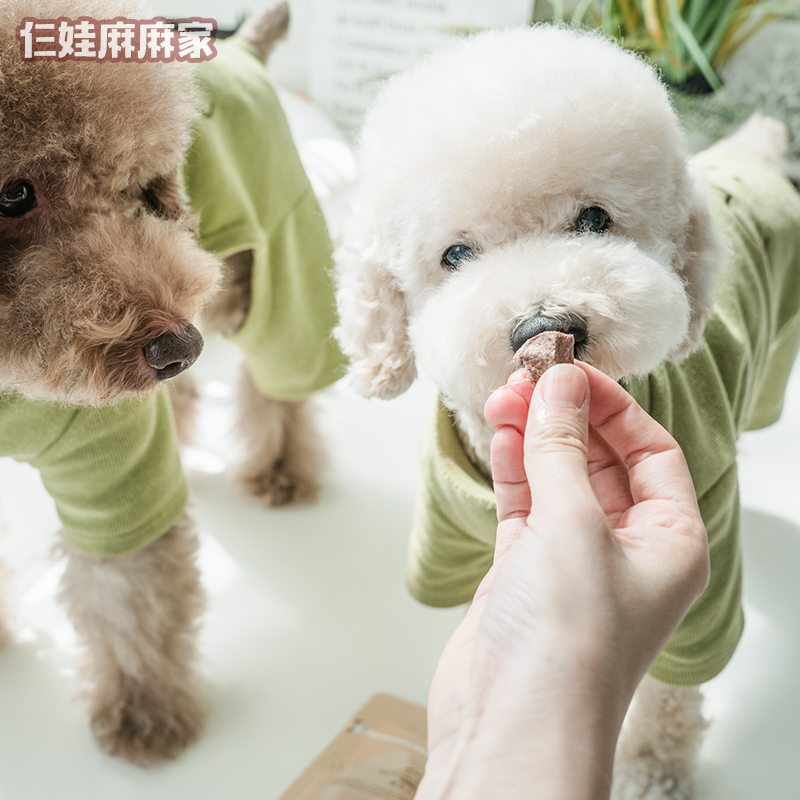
576	19
721	28
690	43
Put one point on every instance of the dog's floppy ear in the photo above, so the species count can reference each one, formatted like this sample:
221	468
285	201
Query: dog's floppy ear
164	196
699	259
373	325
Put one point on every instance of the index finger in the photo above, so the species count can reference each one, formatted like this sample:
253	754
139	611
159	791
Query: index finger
656	464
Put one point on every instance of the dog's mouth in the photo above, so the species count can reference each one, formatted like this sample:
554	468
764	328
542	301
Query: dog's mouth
172	371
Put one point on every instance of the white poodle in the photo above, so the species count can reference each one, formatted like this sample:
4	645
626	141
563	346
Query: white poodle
538	179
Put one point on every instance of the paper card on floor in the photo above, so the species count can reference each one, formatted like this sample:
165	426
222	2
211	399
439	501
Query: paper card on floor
380	755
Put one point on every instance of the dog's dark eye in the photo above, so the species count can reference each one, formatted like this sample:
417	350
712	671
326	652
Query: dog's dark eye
17	200
456	255
593	220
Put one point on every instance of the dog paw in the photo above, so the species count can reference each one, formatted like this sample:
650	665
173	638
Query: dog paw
279	485
266	27
647	780
761	137
147	727
384	379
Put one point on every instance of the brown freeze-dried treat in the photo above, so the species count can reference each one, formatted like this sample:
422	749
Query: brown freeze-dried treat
542	351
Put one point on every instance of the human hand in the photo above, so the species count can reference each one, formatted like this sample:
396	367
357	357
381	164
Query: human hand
600	552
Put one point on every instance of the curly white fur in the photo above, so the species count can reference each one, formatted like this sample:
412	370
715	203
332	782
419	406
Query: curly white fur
499	144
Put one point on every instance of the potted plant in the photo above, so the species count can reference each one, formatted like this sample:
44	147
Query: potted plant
688	40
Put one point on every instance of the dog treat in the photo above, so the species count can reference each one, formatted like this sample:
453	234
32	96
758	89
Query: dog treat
545	349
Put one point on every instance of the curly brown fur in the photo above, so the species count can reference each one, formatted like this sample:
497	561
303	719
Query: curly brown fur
104	262
137	618
102	266
95	270
227	311
283	458
266	29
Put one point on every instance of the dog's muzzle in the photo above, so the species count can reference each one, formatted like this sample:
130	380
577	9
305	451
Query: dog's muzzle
172	353
566	323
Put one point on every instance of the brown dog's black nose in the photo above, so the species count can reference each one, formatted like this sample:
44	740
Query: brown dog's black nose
533	326
172	353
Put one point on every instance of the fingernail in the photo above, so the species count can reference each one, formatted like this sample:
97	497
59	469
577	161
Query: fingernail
564	384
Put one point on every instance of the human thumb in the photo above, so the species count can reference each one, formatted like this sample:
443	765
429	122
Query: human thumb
557	435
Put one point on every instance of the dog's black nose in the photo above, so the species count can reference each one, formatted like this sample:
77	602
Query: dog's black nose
533	326
172	353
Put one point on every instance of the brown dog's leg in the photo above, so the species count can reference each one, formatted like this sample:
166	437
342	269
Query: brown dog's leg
266	28
228	309
137	616
283	453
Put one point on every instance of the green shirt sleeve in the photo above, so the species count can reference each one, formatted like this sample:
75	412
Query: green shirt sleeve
114	472
455	520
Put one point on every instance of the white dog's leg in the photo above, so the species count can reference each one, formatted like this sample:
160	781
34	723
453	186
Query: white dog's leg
283	452
657	752
760	137
136	616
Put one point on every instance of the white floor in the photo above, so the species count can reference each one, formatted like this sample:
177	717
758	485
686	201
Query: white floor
307	614
308	617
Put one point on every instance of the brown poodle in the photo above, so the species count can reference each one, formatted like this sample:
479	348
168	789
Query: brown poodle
100	278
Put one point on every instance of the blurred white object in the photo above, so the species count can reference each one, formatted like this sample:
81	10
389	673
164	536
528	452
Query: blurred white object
325	151
356	46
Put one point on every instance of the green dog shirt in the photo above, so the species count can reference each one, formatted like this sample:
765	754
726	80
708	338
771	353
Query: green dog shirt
114	472
734	382
245	178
